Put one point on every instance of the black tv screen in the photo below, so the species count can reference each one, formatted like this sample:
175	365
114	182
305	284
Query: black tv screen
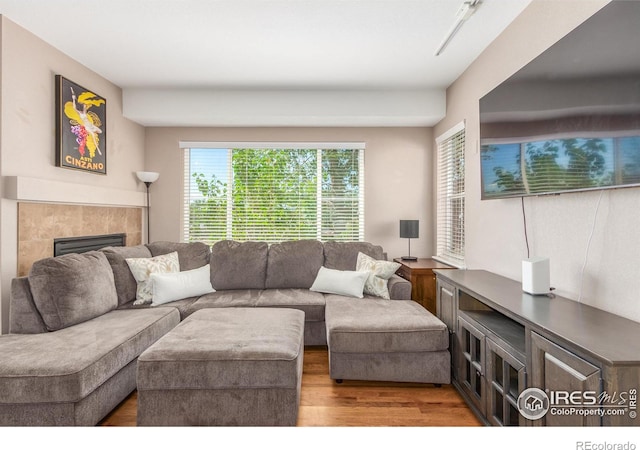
570	119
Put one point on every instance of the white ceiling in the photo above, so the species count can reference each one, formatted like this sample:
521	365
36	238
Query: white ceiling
331	62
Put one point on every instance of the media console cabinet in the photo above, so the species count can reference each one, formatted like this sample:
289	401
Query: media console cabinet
504	341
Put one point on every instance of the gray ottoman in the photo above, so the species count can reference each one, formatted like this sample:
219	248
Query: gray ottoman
386	340
227	366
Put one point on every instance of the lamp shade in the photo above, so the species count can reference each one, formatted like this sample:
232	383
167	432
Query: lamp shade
147	177
409	229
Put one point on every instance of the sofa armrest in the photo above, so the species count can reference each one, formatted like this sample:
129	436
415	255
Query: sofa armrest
399	288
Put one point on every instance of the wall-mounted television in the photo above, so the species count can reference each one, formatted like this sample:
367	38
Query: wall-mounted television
570	119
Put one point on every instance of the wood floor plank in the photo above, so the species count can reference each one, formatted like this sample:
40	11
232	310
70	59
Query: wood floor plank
325	403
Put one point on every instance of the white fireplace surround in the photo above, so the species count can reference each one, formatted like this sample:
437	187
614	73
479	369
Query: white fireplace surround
27	189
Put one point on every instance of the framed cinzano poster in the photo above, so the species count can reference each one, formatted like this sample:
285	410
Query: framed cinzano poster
81	128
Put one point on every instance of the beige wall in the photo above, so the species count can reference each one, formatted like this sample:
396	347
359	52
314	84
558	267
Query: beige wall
559	226
27	137
397	176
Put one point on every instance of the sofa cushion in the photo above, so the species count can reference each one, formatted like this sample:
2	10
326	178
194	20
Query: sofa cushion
181	305
238	265
230	348
68	364
142	268
382	326
379	274
235	298
344	255
191	255
72	288
294	264
312	303
126	284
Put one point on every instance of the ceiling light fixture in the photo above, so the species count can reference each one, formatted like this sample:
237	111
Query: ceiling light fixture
466	10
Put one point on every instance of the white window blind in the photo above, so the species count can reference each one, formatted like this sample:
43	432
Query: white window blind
450	196
273	194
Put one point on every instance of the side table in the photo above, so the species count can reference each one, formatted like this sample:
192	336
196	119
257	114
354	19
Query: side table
423	280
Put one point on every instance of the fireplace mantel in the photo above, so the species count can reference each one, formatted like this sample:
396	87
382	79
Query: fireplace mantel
26	189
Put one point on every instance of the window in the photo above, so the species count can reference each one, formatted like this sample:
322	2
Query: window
273	192
450	196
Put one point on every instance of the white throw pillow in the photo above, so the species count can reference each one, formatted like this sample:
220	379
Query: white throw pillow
342	282
168	287
142	268
379	274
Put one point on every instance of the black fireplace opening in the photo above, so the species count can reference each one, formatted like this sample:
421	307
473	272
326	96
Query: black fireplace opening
81	244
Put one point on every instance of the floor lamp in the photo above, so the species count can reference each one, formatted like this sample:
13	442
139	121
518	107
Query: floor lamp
409	229
147	178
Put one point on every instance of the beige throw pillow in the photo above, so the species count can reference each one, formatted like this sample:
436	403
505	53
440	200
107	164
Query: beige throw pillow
142	268
379	274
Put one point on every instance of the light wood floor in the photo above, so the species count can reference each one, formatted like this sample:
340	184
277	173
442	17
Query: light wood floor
354	403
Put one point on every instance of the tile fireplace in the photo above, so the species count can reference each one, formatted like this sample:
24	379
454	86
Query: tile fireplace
39	224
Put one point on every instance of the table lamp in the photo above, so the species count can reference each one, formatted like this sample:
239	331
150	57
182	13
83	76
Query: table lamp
409	230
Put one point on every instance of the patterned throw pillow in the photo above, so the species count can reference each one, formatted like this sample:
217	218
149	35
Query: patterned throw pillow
379	274
142	268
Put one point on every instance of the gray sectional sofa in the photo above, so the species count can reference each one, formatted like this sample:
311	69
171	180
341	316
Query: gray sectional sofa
76	335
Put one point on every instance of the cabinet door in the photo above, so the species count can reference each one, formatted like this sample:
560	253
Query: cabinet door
554	368
470	349
505	375
446	304
447	307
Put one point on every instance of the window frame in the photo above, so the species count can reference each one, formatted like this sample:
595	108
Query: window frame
186	146
450	196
